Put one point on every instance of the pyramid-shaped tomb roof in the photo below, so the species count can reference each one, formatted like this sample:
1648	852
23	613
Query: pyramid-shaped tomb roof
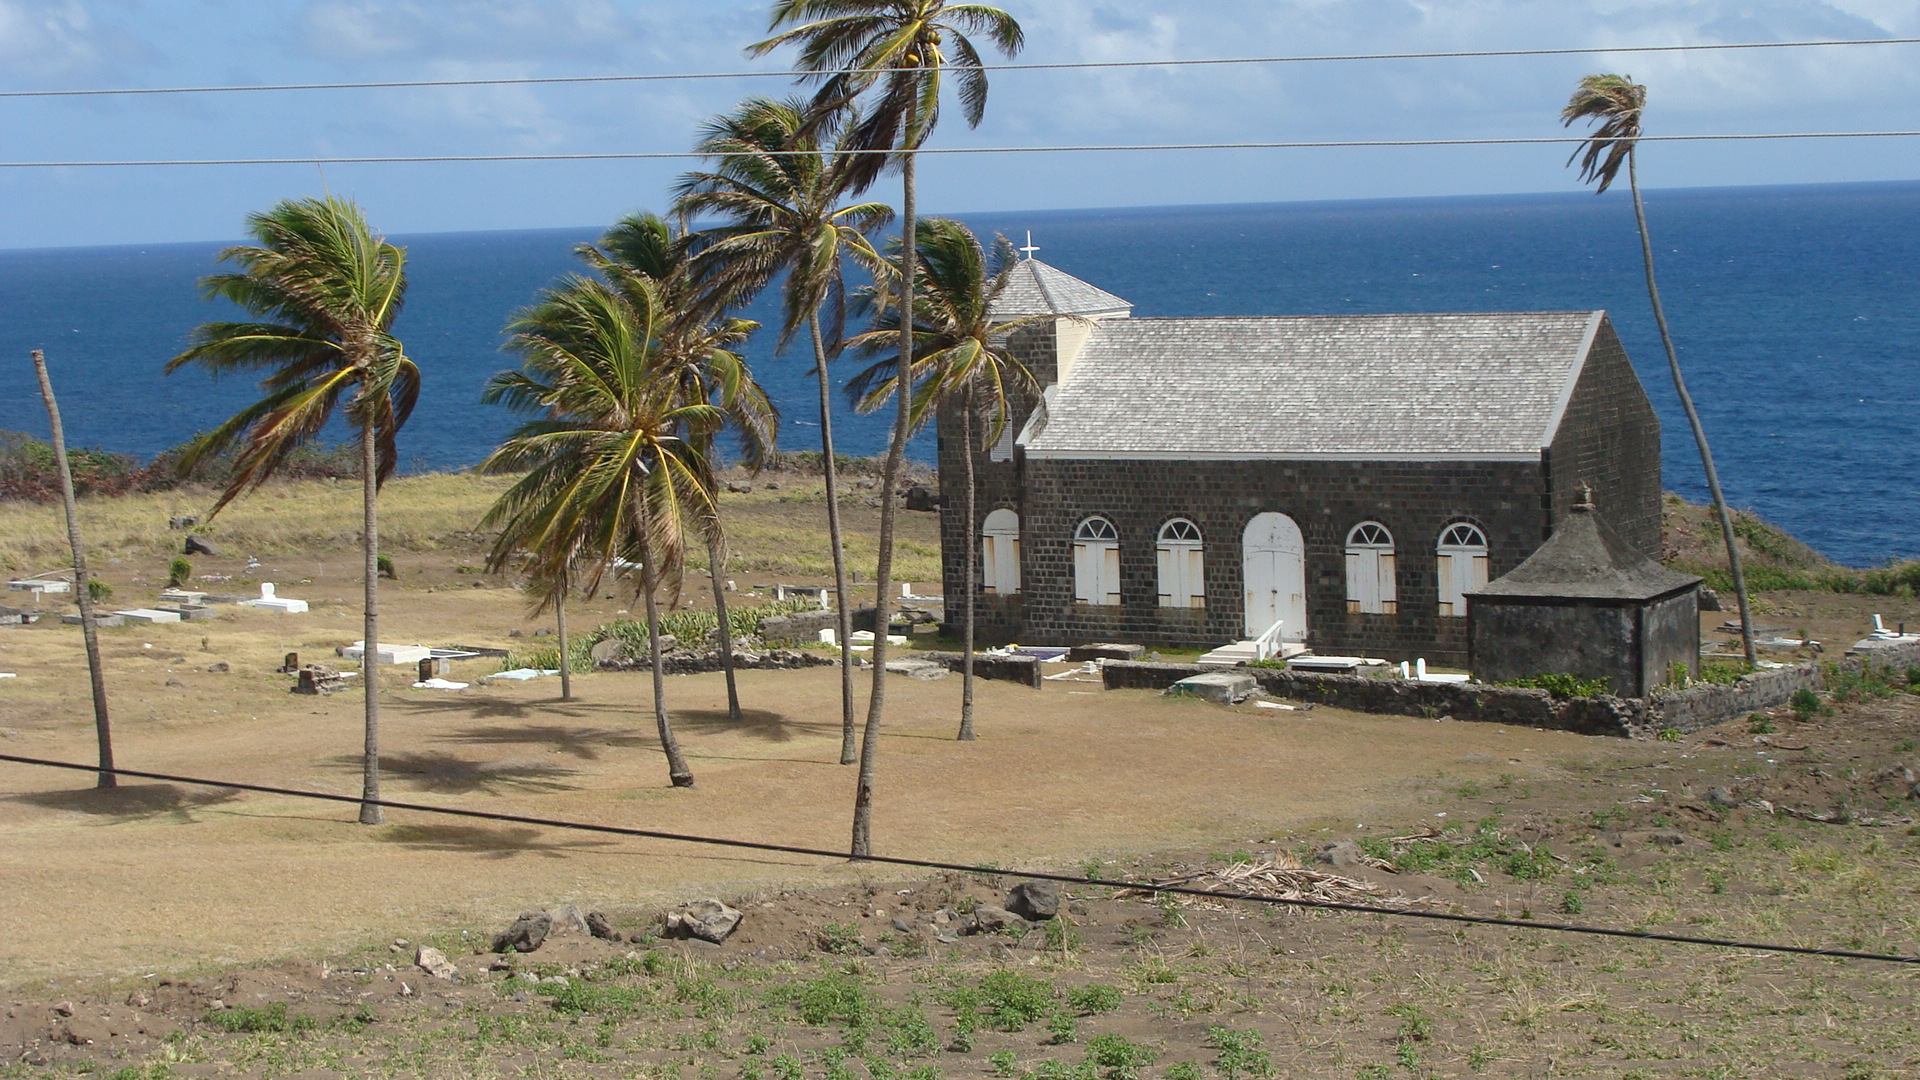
1036	288
1584	560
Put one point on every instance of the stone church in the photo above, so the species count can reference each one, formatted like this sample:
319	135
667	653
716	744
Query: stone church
1192	481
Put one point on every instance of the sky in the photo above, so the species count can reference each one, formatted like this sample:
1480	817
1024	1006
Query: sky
73	44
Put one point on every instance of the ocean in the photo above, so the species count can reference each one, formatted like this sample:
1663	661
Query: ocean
1796	311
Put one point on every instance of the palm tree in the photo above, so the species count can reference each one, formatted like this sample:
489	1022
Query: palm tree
1617	103
326	290
607	473
962	351
642	252
893	54
780	201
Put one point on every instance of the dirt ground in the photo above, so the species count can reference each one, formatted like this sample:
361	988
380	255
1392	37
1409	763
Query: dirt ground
170	931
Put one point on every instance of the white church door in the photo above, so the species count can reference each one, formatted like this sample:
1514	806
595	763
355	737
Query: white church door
1275	561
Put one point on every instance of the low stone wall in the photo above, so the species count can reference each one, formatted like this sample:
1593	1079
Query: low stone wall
1706	704
801	627
1403	697
1024	670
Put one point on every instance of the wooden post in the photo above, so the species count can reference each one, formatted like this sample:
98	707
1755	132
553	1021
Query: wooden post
426	669
103	728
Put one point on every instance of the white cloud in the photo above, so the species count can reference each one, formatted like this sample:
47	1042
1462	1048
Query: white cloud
42	39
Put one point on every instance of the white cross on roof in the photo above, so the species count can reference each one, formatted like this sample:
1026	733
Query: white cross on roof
1031	247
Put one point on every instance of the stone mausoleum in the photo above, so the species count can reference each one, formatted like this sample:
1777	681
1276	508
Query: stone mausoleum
1586	604
1192	481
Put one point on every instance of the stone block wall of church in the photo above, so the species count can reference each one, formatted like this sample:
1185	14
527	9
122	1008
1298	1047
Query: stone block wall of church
1416	501
1610	438
997	484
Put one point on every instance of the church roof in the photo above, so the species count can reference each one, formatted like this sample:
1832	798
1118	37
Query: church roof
1584	560
1381	387
1038	289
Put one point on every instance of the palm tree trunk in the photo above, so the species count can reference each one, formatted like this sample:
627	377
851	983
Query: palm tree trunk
370	814
718	571
560	628
843	593
678	771
1693	416
972	550
889	481
89	634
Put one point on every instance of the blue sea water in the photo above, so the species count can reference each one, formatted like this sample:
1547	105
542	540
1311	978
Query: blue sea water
1796	311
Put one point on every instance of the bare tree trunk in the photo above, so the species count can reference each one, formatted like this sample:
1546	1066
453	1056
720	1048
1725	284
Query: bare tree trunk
678	771
371	814
89	633
843	592
889	503
715	565
1693	417
560	628
972	550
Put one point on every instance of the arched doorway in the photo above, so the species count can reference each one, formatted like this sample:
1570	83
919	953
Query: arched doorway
1274	559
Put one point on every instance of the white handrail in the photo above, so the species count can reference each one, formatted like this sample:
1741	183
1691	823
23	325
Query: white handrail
1268	644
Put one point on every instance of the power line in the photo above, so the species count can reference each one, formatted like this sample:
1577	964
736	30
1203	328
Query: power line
1078	66
965	868
669	155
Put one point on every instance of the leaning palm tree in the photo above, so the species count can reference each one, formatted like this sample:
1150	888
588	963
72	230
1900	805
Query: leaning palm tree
326	290
961	353
642	254
606	475
781	207
1617	103
891	55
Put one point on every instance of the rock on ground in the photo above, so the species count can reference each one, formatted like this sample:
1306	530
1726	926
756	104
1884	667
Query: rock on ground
707	920
435	963
527	933
1035	900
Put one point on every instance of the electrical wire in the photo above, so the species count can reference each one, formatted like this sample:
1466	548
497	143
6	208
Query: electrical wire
1091	65
669	155
965	868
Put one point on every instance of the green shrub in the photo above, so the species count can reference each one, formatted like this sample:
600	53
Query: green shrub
1806	704
383	564
840	939
99	591
1117	1058
1561	685
179	572
1093	999
835	998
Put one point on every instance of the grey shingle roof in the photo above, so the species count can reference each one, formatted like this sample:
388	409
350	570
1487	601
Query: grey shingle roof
1583	559
1363	386
1039	289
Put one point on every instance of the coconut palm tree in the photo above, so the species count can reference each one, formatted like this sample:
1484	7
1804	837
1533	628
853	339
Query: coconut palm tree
890	55
607	474
642	252
325	289
962	353
1617	104
780	203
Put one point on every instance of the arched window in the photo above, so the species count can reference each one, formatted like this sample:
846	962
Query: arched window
1000	552
1182	566
1463	566
1096	562
1370	585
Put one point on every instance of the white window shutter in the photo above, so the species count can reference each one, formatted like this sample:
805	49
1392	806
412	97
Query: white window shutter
1083	574
1110	581
1196	579
1170	585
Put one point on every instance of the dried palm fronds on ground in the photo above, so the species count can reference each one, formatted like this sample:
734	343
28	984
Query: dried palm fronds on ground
1275	876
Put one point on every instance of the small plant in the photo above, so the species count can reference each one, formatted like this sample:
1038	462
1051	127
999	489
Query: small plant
1668	734
1062	1027
1002	1063
384	565
179	571
1093	999
1062	935
788	1067
1806	704
841	939
1117	1058
1760	724
271	1019
1183	1070
98	591
1415	1025
1716	882
1239	1053
835	998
